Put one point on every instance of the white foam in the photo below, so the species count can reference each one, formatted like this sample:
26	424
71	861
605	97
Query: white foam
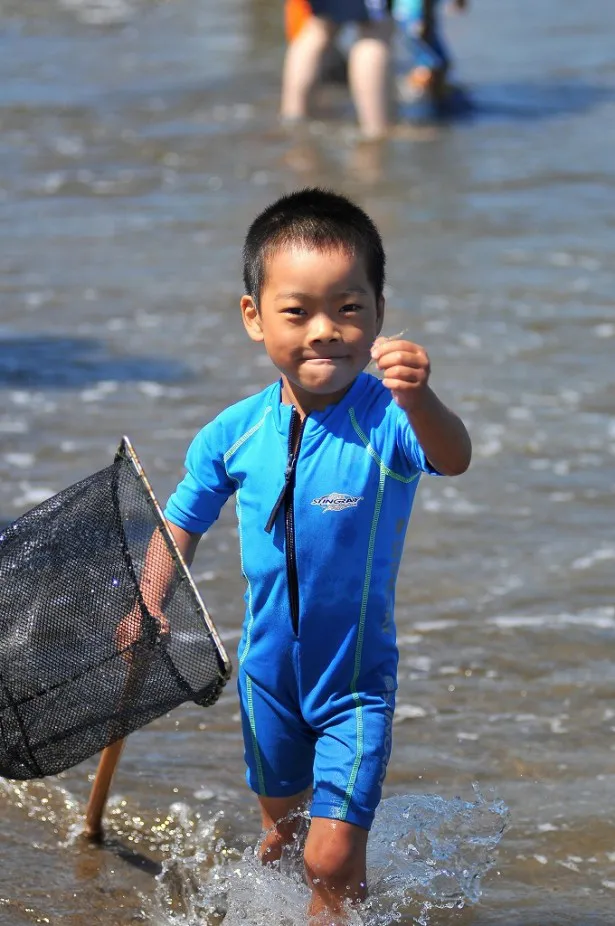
408	712
427	626
13	426
32	495
20	460
598	556
409	639
603	618
607	330
489	448
100	12
450	506
99	392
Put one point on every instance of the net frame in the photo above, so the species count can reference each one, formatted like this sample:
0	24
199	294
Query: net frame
127	451
21	747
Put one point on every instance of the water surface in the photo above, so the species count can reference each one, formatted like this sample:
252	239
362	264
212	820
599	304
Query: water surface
137	140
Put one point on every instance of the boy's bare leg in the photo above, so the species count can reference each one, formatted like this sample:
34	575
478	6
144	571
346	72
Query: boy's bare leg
334	856
302	66
368	76
278	823
335	865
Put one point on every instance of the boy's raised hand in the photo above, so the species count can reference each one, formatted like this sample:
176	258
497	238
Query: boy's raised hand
406	370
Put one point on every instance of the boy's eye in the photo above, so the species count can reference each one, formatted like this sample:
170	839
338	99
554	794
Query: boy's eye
294	310
350	307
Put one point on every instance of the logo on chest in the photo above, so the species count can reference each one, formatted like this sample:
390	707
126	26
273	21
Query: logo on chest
337	501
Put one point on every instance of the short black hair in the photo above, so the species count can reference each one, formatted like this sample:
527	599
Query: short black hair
314	218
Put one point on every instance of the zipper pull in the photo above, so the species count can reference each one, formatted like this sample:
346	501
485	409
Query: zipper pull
280	499
288	473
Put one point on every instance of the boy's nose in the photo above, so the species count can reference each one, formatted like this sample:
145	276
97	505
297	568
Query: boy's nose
323	328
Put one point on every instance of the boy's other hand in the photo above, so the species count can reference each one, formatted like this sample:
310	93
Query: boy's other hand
130	629
406	370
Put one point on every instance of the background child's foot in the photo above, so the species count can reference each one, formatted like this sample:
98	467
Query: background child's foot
422	82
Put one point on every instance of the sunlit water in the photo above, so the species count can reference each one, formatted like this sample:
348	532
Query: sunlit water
137	140
425	853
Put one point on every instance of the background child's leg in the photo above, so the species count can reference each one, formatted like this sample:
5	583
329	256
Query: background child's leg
279	823
368	75
335	865
430	57
302	66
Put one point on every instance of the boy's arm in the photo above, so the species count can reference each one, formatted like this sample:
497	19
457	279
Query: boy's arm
186	541
156	577
440	432
159	566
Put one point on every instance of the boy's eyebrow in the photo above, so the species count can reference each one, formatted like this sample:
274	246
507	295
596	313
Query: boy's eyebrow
351	291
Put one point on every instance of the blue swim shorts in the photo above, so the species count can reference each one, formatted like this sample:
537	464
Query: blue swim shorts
341	752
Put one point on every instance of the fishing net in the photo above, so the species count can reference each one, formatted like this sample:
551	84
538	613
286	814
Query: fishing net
83	662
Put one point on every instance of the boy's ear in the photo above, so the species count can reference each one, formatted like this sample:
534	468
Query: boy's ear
379	314
251	318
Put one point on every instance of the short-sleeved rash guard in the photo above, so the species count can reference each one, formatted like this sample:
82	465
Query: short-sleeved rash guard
324	573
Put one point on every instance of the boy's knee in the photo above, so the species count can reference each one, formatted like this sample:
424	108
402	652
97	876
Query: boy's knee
334	857
328	864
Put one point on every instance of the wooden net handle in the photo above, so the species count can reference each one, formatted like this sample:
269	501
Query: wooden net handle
107	764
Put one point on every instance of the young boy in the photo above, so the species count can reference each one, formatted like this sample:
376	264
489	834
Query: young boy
324	465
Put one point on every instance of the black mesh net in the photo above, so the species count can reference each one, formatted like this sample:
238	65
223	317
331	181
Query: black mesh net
83	659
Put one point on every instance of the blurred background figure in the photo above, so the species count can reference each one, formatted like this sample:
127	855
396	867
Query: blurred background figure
426	86
311	29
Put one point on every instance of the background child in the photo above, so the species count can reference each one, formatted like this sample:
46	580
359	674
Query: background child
421	28
324	465
312	28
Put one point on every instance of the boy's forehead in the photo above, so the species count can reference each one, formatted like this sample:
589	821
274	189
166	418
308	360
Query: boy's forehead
298	256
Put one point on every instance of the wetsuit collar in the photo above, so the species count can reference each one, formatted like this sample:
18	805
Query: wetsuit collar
317	419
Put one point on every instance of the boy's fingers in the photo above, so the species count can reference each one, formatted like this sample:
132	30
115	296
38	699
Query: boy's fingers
401	359
385	346
408	381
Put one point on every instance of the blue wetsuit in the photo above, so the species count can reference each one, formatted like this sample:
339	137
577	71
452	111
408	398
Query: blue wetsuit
321	536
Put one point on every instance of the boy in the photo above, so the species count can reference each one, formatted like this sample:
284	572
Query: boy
324	464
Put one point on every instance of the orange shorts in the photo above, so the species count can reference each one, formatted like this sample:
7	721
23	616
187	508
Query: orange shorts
296	14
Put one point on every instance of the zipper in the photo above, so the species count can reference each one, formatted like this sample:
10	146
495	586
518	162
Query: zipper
286	498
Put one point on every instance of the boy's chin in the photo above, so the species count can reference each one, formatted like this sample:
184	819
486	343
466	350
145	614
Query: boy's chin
330	388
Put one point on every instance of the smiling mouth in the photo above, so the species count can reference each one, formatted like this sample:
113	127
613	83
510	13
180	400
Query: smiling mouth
324	359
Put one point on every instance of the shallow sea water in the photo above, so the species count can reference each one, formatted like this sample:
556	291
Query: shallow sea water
137	140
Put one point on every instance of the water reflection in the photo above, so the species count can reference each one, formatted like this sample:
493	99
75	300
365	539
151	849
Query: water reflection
536	101
47	361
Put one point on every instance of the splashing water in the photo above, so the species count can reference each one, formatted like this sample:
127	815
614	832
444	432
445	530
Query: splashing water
424	852
432	850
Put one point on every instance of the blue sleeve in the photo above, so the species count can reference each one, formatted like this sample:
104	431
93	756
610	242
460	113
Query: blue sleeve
409	447
198	499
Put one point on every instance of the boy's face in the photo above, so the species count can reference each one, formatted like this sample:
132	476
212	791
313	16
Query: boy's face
318	318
